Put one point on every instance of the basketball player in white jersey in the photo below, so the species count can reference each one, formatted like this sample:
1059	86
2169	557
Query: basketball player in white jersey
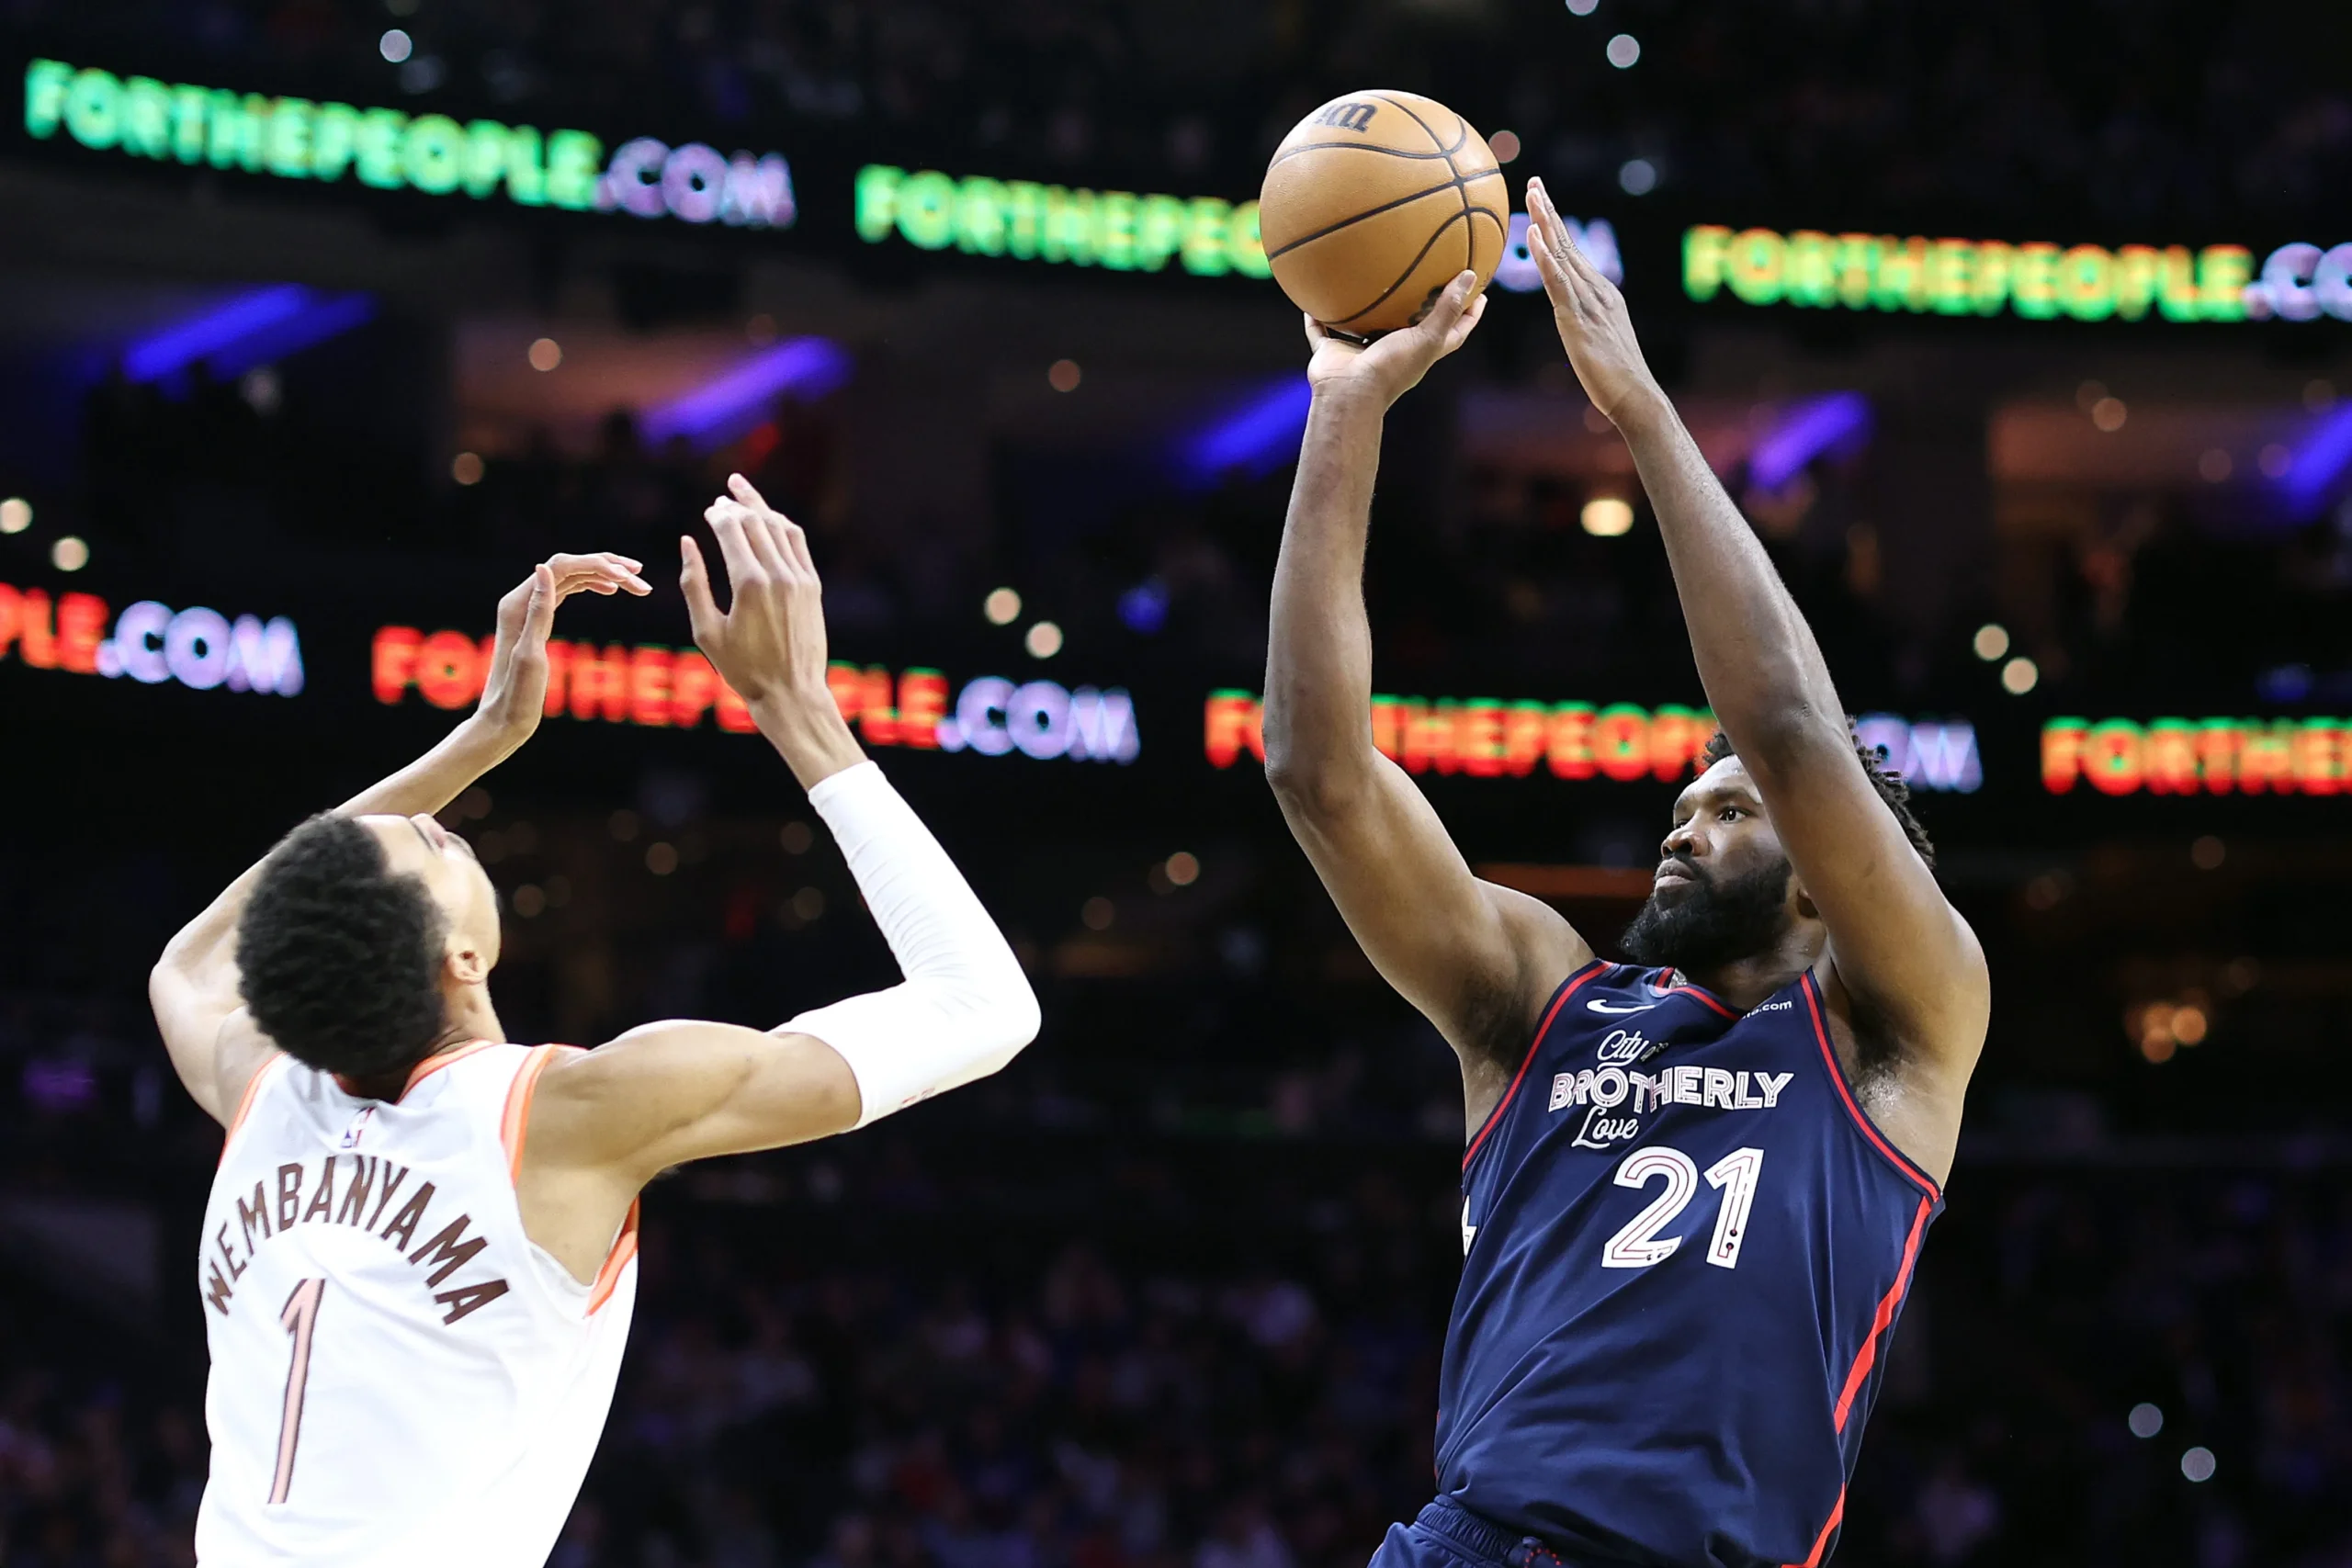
416	1267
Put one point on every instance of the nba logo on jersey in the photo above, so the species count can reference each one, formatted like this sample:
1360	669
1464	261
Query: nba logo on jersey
358	1125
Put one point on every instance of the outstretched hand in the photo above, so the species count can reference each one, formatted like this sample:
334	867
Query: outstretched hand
516	692
1393	364
771	637
1589	311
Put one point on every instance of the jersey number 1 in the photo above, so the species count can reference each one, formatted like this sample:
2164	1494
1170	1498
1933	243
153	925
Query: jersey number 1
1638	1246
301	1320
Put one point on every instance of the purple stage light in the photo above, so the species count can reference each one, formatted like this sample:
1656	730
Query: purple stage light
1806	431
804	367
2320	461
252	329
326	316
1257	435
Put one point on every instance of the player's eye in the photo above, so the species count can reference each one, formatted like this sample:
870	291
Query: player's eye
1730	814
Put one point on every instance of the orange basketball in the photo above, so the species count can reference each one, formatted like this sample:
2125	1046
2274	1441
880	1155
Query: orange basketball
1373	202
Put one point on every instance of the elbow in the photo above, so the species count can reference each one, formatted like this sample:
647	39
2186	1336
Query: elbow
999	1011
1309	787
1018	1016
163	979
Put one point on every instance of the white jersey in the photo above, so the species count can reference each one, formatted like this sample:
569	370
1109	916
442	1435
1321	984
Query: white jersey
399	1376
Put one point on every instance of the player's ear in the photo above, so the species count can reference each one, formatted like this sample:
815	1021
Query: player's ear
465	961
1802	901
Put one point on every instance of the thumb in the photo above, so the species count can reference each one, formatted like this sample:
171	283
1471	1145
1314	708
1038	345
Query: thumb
538	615
702	610
1450	304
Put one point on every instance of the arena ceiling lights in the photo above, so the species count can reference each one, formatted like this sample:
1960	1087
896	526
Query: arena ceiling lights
290	138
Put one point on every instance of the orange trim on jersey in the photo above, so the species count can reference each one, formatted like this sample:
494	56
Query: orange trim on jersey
608	1277
245	1101
515	1121
1820	1542
1811	990
1889	1304
432	1064
1567	990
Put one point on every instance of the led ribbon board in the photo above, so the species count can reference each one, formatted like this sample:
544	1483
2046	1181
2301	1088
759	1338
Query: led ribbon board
198	648
1487	737
2036	280
390	150
1028	221
2197	756
663	688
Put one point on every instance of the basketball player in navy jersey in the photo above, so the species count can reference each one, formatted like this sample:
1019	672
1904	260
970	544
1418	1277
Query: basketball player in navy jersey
1696	1184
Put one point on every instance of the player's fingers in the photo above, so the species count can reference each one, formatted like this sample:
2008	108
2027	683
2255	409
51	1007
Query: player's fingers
1541	216
623	569
1467	322
694	577
1314	332
541	612
742	490
1451	302
763	530
795	543
1559	249
603	572
743	562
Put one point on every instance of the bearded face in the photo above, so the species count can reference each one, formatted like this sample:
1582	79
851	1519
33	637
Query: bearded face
1695	920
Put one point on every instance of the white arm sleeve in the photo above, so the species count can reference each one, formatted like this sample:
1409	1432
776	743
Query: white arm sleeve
965	1009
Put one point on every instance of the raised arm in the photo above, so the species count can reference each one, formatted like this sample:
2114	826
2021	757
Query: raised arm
1478	960
1910	961
193	987
606	1122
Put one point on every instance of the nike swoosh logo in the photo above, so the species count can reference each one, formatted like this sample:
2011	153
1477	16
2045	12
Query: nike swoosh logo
1596	1005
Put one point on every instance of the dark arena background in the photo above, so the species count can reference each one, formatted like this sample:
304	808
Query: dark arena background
2021	331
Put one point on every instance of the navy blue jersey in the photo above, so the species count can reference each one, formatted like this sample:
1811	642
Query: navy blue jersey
1684	1247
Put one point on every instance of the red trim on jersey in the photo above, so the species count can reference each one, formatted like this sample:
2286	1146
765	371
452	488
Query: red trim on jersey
1685	988
1821	1541
608	1277
1567	990
1838	1076
1889	1304
245	1101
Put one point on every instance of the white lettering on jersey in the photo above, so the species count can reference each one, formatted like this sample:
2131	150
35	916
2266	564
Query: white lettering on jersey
1716	1089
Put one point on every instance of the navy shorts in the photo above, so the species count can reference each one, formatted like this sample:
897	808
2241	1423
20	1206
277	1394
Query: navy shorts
1446	1535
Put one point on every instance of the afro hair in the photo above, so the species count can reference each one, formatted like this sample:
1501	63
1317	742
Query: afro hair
338	958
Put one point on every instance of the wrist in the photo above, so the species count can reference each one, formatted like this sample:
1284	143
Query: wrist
486	740
808	732
1353	397
1643	411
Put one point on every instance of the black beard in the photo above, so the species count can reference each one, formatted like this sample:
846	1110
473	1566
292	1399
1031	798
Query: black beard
1713	924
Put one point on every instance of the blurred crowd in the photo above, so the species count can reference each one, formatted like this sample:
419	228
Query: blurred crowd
959	1343
2126	113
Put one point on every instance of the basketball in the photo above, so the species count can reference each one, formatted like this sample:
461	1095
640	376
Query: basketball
1372	205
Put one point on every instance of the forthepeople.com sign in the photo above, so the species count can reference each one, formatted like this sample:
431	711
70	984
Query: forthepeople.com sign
2197	756
151	643
297	139
1488	738
656	687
